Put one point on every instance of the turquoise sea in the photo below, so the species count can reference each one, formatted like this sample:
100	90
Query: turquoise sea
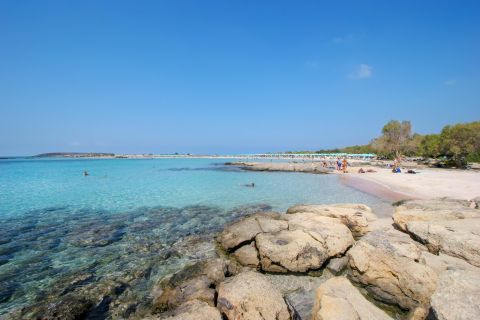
126	216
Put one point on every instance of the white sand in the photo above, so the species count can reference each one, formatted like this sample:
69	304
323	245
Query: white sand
428	183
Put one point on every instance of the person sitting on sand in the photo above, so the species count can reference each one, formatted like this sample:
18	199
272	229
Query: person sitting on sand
361	170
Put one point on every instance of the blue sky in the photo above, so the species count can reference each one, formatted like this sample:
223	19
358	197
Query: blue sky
231	76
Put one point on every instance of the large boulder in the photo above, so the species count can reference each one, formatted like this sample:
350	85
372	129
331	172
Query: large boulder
338	299
458	238
457	296
250	295
279	243
244	231
355	216
286	250
388	263
432	210
335	236
195	310
309	241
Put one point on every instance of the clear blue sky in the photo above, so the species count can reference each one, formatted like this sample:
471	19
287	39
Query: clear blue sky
231	76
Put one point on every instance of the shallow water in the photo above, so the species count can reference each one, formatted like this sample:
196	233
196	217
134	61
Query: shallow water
61	231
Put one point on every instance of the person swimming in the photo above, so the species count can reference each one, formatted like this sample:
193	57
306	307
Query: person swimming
85	173
250	185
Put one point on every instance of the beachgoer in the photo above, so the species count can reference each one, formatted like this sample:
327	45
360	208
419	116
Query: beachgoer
344	165
339	164
85	173
361	170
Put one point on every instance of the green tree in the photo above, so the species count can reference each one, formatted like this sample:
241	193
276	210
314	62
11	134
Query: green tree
430	146
461	141
395	138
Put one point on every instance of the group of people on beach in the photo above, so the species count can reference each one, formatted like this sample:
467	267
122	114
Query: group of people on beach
342	165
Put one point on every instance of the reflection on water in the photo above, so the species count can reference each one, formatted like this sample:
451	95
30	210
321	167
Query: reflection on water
51	253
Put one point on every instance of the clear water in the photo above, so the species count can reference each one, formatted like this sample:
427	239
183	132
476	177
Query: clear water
126	216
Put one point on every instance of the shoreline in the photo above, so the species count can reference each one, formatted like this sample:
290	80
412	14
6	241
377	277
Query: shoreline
376	189
426	183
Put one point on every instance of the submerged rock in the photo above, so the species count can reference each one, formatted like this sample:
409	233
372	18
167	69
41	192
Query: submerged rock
67	308
458	238
250	295
355	216
389	264
338	299
456	297
96	235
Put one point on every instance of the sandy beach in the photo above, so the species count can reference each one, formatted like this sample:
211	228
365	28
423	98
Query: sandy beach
426	184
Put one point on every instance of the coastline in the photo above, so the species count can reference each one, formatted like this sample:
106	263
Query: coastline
428	183
375	188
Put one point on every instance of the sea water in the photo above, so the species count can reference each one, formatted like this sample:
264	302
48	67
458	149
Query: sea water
126	215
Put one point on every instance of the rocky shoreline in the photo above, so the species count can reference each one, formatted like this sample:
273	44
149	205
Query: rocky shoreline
319	262
336	262
307	167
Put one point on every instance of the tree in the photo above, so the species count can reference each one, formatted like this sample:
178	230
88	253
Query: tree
460	141
430	146
394	139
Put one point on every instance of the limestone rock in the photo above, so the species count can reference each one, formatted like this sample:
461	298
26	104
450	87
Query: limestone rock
432	210
355	216
442	262
249	295
336	265
196	310
389	263
338	299
247	255
335	236
458	238
457	296
288	250
245	230
195	282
